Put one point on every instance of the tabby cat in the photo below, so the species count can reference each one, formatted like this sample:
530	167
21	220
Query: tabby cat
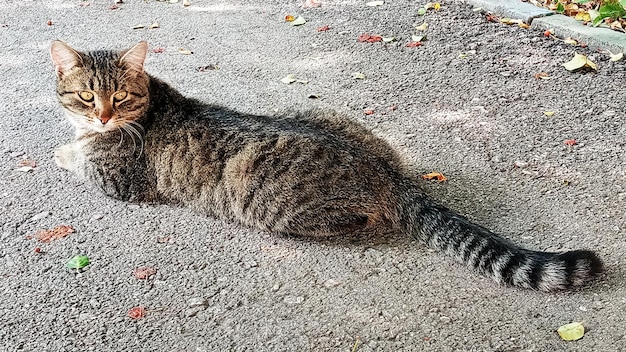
305	173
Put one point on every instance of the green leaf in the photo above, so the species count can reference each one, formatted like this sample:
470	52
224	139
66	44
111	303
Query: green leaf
358	75
421	11
612	10
78	262
560	8
596	21
581	1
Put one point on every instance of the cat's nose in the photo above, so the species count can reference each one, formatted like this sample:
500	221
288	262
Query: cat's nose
105	116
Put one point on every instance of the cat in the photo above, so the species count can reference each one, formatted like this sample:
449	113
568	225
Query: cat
312	173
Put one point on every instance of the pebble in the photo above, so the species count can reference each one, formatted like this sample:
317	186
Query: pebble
40	216
197	302
191	312
293	299
250	264
331	283
520	164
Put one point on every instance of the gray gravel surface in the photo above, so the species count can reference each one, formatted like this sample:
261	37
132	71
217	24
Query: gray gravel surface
477	117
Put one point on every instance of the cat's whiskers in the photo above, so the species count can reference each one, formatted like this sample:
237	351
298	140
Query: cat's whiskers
121	136
134	129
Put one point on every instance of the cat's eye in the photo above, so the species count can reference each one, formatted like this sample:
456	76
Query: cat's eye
119	96
86	96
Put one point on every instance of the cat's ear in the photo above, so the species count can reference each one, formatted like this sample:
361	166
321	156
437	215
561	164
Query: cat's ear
64	57
134	57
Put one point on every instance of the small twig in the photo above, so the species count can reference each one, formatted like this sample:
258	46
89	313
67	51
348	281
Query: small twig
356	343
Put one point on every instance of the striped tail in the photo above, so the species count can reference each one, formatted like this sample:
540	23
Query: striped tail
496	256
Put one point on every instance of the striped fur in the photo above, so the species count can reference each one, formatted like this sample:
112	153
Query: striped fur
311	173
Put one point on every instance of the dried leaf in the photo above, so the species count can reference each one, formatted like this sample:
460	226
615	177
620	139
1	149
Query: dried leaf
413	44
523	25
583	16
290	78
78	262
369	38
154	25
173	1
166	239
616	57
570	41
54	234
571	331
549	113
323	28
144	272
368	112
184	51
139	26
312	3
418	38
136	313
358	75
157	50
422	27
210	67
186	3
435	175
389	39
298	21
541	75
24	168
570	142
579	61
289	18
27	162
374	3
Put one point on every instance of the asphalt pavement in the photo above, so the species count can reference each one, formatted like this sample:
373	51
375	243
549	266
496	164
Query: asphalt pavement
530	150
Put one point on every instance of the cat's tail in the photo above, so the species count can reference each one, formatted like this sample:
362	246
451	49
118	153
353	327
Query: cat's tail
493	255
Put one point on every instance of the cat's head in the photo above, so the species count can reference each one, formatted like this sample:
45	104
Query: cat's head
101	90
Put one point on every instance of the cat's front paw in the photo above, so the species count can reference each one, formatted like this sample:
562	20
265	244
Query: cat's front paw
64	156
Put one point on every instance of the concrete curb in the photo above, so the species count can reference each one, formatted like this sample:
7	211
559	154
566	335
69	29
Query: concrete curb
514	9
561	26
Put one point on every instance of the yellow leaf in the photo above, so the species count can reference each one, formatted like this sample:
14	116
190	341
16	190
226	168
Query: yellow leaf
523	25
422	27
583	16
548	113
437	6
571	331
289	18
579	61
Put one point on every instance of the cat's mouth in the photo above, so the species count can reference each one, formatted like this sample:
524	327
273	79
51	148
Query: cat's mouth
91	124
